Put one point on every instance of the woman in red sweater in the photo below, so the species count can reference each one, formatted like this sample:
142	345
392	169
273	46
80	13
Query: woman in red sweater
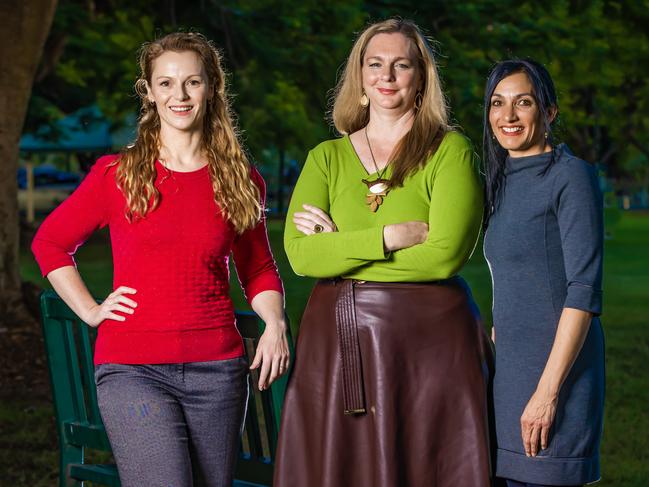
170	368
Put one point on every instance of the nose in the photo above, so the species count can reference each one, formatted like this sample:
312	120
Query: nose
180	93
510	112
387	73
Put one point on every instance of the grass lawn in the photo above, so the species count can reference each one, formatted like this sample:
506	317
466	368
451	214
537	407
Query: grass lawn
625	447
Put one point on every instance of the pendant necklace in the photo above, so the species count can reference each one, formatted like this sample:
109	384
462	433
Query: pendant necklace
378	189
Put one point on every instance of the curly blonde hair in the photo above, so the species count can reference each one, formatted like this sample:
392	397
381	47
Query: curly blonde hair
229	167
431	118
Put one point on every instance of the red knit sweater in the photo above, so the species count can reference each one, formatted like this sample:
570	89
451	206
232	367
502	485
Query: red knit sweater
176	258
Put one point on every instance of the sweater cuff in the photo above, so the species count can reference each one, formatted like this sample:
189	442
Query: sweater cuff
375	245
583	297
48	263
264	284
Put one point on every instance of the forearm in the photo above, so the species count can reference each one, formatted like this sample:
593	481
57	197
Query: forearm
455	214
418	263
68	284
333	254
571	333
269	305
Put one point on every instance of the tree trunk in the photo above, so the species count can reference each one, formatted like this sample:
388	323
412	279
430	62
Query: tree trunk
26	24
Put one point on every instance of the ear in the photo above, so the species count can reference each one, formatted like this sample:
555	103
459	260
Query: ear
422	81
553	111
149	96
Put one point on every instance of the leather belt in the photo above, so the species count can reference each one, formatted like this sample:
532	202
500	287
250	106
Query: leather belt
349	349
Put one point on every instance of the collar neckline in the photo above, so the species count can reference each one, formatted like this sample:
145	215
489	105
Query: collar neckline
196	173
516	164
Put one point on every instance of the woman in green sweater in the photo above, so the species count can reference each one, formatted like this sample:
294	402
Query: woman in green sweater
390	377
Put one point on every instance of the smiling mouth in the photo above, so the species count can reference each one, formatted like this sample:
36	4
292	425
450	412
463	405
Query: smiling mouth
511	130
385	91
181	109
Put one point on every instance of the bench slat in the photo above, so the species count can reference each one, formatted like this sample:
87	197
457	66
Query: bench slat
104	474
68	343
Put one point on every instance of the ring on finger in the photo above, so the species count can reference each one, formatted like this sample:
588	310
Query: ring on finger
317	228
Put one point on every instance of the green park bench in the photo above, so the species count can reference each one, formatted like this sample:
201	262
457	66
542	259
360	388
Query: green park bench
82	438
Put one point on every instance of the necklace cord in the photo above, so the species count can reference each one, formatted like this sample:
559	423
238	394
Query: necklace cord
379	173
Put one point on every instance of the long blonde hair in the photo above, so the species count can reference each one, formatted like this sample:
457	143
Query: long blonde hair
229	168
431	118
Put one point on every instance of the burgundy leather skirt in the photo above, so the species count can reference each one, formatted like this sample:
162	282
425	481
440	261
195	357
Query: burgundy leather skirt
389	389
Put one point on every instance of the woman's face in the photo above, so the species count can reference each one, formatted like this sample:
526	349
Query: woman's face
515	118
179	88
390	74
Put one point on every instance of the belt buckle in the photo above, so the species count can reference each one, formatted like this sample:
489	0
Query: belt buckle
351	412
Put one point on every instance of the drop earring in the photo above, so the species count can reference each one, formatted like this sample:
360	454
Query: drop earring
419	99
364	101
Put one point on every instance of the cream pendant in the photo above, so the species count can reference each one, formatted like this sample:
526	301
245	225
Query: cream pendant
378	188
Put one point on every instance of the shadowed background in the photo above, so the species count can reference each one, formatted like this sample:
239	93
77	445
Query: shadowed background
283	58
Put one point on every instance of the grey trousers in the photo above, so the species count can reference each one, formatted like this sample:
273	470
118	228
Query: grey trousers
174	425
515	483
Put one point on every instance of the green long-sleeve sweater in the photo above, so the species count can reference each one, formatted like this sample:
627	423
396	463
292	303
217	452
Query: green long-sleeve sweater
446	193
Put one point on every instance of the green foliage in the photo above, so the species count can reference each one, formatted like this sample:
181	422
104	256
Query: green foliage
284	57
90	58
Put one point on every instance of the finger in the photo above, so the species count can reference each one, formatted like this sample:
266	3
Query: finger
305	230
123	309
324	216
274	370
127	301
534	441
309	221
263	374
113	316
124	290
315	219
287	363
525	435
303	221
545	433
256	361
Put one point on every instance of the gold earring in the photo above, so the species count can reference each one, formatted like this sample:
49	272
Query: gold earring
365	101
419	99
546	135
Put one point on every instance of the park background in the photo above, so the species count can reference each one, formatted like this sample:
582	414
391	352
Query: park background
67	70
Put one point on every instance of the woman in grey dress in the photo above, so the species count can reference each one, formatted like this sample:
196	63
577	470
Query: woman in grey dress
543	243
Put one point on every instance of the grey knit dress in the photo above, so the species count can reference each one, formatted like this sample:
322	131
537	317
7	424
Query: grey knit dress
544	248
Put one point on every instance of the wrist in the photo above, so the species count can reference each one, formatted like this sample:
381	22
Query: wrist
548	388
277	325
387	238
86	311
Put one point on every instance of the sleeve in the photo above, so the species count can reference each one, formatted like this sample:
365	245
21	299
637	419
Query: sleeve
327	254
73	221
454	221
579	209
253	259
